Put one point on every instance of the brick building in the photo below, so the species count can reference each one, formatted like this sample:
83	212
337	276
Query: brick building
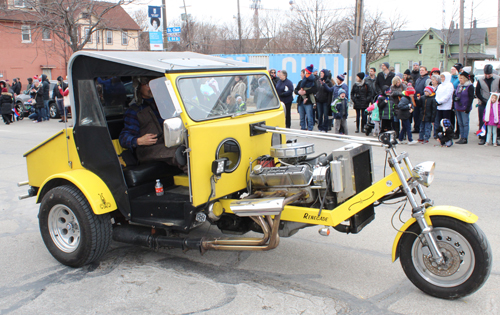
28	49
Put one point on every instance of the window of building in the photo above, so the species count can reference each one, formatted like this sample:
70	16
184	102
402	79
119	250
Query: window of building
124	38
46	34
19	3
26	33
87	34
109	37
441	49
419	49
431	36
98	37
85	16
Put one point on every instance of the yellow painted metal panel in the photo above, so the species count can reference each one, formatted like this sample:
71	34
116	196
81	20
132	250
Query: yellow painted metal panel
181	180
346	209
447	211
342	212
51	157
95	190
204	137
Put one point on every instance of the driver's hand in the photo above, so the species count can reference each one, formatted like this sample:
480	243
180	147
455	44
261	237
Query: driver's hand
147	139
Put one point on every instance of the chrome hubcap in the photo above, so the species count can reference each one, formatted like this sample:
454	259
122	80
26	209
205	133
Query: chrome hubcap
64	228
458	256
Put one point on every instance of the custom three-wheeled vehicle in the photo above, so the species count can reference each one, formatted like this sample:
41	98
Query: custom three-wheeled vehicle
242	174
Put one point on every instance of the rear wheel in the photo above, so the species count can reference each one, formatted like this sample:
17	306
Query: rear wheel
467	255
72	233
53	110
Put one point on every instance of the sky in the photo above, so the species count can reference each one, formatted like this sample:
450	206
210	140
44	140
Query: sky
419	15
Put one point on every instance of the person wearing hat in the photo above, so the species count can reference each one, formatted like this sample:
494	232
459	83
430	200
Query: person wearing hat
361	96
489	83
405	108
445	133
427	114
143	129
435	71
455	71
386	108
464	96
340	109
304	105
308	84
384	77
407	78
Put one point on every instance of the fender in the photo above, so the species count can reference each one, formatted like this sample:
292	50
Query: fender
93	188
446	211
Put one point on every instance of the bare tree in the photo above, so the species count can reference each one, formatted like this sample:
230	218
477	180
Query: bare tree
311	20
64	18
141	18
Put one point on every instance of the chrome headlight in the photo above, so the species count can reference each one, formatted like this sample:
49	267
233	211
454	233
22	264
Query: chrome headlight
424	173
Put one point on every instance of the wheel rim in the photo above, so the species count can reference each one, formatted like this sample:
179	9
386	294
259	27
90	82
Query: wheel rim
64	228
458	254
53	111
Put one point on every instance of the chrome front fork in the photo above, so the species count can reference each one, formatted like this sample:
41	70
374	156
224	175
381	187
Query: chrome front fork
417	210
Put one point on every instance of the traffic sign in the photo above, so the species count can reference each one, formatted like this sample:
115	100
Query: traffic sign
173	30
174	38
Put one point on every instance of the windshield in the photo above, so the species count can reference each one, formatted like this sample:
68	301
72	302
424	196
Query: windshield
213	97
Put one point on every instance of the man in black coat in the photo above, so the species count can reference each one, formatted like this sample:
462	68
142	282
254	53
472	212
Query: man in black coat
415	72
46	97
384	77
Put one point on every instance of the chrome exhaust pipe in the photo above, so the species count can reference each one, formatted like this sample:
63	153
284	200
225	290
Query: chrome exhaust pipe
25	196
22	184
254	244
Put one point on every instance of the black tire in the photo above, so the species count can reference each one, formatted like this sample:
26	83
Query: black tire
53	110
469	265
93	232
20	109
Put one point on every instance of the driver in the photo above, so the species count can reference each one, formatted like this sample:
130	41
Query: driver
143	132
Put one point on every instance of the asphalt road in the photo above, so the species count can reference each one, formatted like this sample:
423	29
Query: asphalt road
306	274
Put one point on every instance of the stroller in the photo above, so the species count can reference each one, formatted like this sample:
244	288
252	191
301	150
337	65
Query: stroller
369	124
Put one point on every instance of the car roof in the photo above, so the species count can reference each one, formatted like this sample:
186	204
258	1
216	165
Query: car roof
166	62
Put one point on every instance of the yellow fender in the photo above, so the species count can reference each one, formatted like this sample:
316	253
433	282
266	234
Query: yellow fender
93	188
446	211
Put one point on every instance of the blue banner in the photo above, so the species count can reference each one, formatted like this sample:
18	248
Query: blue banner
294	63
155	28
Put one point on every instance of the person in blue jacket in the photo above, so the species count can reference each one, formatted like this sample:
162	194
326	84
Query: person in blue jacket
284	87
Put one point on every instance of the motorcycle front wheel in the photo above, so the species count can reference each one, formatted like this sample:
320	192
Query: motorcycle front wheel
467	258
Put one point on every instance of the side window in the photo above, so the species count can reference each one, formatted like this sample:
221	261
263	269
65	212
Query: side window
90	109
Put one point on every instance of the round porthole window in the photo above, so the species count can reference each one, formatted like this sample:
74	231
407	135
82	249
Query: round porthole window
230	149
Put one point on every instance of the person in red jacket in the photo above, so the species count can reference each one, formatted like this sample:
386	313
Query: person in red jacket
60	91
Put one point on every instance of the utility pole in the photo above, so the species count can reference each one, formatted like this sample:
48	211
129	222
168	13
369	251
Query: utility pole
498	32
165	35
187	24
239	27
358	31
461	45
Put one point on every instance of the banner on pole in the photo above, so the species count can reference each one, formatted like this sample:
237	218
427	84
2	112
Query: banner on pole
155	28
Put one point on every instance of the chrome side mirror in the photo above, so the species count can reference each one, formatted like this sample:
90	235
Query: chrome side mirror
173	131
